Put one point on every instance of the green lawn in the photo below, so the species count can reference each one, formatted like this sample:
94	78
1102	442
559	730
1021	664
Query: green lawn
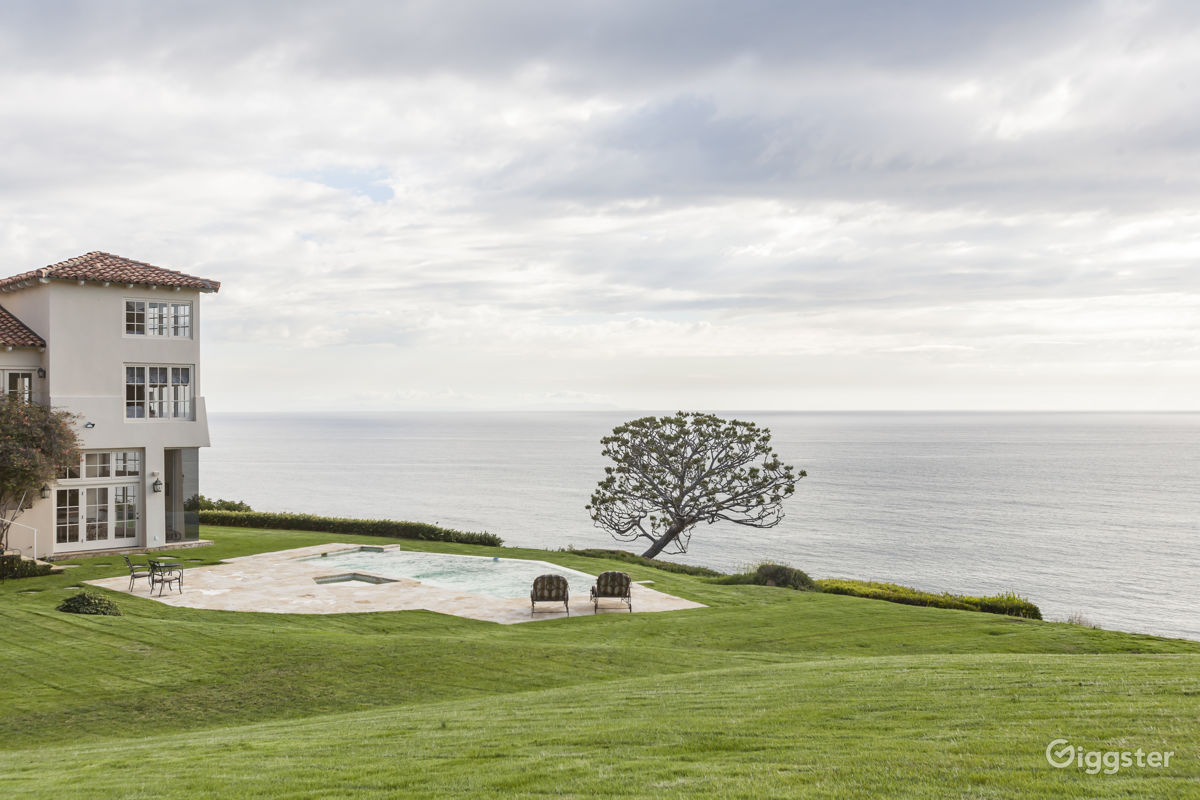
766	693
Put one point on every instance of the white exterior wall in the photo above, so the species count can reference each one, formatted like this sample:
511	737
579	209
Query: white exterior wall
85	358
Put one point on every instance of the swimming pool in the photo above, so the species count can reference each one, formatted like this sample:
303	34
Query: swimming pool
489	576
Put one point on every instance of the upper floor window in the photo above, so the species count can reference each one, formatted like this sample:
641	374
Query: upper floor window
158	391
151	318
19	384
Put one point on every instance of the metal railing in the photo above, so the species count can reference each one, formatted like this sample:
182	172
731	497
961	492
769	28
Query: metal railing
5	524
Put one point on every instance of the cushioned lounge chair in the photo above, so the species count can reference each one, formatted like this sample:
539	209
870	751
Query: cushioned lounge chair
549	589
614	586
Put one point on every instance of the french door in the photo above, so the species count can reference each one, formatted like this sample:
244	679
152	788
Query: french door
96	517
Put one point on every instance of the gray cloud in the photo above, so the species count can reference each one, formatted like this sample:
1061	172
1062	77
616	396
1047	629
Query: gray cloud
584	187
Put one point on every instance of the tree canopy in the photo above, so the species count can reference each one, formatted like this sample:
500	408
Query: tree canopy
35	444
672	473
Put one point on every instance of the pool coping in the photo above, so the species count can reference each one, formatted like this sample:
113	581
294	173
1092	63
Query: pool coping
282	582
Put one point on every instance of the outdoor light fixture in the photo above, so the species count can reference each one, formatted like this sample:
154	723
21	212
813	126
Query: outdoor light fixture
157	485
89	425
41	372
45	491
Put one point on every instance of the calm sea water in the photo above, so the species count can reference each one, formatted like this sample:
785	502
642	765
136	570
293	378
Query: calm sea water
1096	514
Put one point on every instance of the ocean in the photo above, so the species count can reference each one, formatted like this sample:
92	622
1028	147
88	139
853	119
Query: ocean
1095	515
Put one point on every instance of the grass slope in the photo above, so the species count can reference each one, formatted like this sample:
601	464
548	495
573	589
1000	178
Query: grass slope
767	693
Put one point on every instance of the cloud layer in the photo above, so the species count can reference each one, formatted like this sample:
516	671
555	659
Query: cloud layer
786	205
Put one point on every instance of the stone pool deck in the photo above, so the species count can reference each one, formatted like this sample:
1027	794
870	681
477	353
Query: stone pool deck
279	583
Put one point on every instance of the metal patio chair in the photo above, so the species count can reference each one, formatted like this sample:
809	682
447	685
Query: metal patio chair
549	589
612	585
136	571
164	575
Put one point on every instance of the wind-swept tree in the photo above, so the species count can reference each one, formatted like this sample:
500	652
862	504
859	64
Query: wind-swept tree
35	444
672	473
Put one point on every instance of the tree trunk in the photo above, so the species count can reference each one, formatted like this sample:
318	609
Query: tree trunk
671	535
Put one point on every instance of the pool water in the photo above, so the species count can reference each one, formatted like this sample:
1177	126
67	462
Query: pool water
492	577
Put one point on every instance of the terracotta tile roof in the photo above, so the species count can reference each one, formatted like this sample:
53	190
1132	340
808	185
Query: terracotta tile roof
13	332
97	266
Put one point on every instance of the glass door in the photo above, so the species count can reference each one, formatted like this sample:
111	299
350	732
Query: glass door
96	517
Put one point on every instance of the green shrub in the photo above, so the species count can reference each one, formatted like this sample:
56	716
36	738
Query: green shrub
774	575
667	566
1008	603
781	575
13	566
89	603
359	527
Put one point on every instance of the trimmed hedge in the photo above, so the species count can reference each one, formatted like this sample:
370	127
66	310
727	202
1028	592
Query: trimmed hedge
13	566
89	603
359	527
666	566
774	575
1008	603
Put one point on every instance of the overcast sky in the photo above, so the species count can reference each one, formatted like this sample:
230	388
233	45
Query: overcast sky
650	205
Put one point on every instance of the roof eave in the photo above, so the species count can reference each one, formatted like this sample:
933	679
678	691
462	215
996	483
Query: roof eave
211	287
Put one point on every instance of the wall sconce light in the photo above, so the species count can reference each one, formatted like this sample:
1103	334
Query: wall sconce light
89	425
41	372
157	485
45	491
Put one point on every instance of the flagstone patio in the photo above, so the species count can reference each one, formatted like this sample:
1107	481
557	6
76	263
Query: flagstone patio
282	583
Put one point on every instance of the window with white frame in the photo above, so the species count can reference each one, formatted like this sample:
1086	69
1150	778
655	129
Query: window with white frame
98	504
159	391
153	318
18	383
126	463
124	512
108	513
94	464
97	465
96	514
66	522
181	320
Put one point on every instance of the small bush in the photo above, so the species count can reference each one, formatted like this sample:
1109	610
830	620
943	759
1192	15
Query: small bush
89	603
774	575
630	558
1008	603
781	575
13	566
359	527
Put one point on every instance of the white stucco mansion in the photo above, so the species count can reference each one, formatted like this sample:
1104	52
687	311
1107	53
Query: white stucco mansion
115	342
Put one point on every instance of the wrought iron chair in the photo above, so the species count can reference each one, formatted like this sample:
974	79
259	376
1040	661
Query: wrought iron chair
136	571
612	585
549	589
164	575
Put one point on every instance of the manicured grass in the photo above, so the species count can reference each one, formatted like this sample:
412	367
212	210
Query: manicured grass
766	693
